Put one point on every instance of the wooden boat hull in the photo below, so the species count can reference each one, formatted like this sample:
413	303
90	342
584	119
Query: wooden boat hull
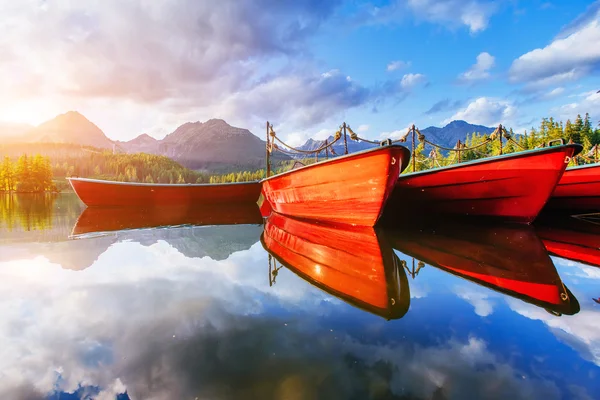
112	219
578	190
350	189
514	187
510	259
571	238
351	263
99	193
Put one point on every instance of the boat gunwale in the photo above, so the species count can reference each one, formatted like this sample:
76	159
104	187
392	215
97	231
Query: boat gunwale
585	166
405	160
162	185
501	157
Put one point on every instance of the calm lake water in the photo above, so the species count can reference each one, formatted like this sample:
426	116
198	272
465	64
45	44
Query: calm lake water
106	305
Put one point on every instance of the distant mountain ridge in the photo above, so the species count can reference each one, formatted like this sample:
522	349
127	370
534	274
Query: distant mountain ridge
446	136
212	145
452	133
70	127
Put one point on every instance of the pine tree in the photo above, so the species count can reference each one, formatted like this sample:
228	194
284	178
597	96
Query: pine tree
577	129
569	130
587	131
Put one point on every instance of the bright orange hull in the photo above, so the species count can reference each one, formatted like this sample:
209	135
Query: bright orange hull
514	187
578	190
509	259
109	219
99	193
349	262
350	189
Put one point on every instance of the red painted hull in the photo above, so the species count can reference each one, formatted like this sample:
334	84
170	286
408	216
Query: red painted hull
571	238
348	262
350	189
111	219
578	190
508	259
98	193
514	187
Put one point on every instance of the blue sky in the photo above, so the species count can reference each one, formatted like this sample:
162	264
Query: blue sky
306	65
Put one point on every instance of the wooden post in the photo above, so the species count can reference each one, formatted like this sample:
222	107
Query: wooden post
500	133
345	139
414	156
326	149
458	145
268	158
596	152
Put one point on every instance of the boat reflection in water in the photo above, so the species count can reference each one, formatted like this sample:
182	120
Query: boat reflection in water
506	258
215	231
111	219
575	238
353	263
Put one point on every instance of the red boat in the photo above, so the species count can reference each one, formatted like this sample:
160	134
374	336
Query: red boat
578	190
349	262
510	259
101	193
513	187
572	238
110	219
350	189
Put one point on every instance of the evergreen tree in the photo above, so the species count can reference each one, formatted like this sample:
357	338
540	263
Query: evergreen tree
587	131
577	129
569	130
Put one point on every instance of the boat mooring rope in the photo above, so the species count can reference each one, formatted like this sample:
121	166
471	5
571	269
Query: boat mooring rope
459	149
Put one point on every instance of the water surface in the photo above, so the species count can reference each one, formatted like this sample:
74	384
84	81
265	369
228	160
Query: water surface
205	311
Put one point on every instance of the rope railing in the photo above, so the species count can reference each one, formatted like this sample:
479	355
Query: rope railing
302	151
460	150
295	151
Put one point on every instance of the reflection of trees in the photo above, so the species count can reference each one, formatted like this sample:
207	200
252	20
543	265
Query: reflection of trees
28	211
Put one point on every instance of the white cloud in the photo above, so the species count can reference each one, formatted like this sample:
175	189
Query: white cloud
486	111
410	81
570	56
472	13
396	65
480	300
395	135
579	331
589	104
480	70
555	92
363	128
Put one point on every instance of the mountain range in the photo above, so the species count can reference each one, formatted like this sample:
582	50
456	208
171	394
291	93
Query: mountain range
446	136
213	145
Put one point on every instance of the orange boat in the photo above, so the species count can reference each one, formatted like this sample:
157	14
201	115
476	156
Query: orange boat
110	219
510	259
350	189
513	187
578	190
101	193
349	262
572	238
